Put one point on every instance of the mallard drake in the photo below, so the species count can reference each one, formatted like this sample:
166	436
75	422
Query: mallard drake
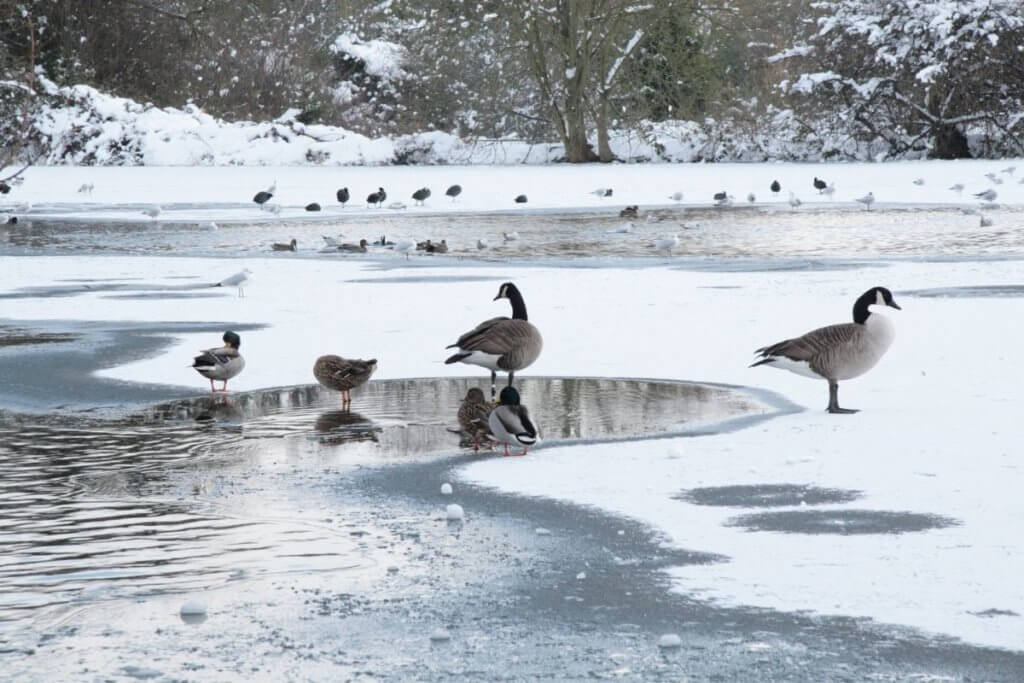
355	248
222	363
473	414
376	198
454	191
421	195
343	374
282	246
508	344
510	422
837	352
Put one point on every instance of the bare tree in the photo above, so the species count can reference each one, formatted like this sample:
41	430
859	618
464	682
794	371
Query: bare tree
19	99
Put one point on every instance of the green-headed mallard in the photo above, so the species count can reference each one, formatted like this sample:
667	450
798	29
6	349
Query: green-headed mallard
510	422
222	363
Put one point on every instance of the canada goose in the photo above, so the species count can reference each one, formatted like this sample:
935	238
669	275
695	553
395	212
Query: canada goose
454	191
775	187
867	200
510	422
355	248
377	197
473	414
237	280
837	352
383	242
222	363
343	196
343	374
508	344
421	195
723	198
290	246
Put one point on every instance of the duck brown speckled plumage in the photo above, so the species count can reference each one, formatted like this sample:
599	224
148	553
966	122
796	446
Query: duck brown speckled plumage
343	374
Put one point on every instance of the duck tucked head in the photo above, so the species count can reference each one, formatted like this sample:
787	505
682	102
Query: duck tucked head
509	396
876	296
232	339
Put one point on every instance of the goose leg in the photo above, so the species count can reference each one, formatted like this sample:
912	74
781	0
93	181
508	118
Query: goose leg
833	400
212	390
510	375
494	380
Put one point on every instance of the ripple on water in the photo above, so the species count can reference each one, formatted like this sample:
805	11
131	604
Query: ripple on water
198	492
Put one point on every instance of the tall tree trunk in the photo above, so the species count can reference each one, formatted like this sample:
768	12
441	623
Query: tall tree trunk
604	148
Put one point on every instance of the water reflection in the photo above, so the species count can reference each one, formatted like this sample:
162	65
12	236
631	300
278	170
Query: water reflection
93	509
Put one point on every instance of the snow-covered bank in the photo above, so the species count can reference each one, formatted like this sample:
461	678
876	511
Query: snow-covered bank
937	435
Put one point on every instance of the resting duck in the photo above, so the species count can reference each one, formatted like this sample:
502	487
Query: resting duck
510	422
473	414
223	363
343	374
280	246
354	248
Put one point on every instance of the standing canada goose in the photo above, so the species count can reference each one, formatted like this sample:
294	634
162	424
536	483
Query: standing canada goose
222	363
343	196
279	246
454	191
837	352
510	422
473	414
508	344
421	195
343	374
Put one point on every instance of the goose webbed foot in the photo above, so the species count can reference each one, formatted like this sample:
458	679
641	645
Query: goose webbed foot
833	401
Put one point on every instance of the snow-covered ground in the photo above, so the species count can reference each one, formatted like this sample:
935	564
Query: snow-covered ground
938	435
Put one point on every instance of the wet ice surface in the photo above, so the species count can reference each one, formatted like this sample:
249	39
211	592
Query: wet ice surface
95	511
746	232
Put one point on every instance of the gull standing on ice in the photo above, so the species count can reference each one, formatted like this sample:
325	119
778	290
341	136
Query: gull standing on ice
667	243
236	280
222	363
867	200
837	352
988	195
153	211
957	187
505	344
510	236
676	196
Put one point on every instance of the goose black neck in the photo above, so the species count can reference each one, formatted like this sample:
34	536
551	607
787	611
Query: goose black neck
518	305
860	309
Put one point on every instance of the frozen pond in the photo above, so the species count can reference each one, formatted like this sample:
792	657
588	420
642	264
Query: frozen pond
749	232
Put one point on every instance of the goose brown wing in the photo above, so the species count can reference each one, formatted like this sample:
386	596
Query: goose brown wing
814	344
480	337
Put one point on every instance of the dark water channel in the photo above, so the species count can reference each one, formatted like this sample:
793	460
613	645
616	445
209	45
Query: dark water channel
94	510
